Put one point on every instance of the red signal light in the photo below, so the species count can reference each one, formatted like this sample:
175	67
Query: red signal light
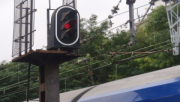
67	26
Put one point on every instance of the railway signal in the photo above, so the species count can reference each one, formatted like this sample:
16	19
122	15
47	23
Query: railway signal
64	31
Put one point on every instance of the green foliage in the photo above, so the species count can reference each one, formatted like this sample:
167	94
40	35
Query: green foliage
153	35
95	67
13	82
157	20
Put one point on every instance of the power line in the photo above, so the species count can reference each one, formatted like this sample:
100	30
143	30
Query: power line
134	19
13	67
123	60
153	35
98	67
122	13
93	69
17	84
120	48
13	74
16	92
160	32
85	41
128	11
120	55
10	67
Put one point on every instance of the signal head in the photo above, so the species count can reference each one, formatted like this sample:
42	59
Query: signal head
65	29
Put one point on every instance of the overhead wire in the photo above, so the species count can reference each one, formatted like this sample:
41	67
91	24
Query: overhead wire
16	92
17	84
128	21
116	15
118	48
10	67
96	68
135	19
16	66
13	74
123	13
160	32
120	55
125	59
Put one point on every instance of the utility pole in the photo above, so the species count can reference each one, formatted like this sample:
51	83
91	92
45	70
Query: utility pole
131	19
72	3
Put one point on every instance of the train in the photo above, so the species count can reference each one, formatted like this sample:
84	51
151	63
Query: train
157	86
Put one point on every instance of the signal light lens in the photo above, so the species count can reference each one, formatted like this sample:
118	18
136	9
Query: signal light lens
67	26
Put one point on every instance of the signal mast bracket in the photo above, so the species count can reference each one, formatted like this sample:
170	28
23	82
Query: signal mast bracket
174	25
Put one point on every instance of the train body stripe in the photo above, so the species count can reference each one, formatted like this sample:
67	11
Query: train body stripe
153	92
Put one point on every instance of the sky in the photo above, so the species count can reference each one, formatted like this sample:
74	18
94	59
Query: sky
101	8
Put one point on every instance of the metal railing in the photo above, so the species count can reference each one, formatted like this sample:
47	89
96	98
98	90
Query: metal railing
23	33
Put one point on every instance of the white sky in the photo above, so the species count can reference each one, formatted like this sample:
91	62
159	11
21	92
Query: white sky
102	8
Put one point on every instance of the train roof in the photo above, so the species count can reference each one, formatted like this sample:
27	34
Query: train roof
147	80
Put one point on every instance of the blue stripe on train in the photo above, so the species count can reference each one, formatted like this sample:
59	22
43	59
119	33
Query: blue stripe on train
163	91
